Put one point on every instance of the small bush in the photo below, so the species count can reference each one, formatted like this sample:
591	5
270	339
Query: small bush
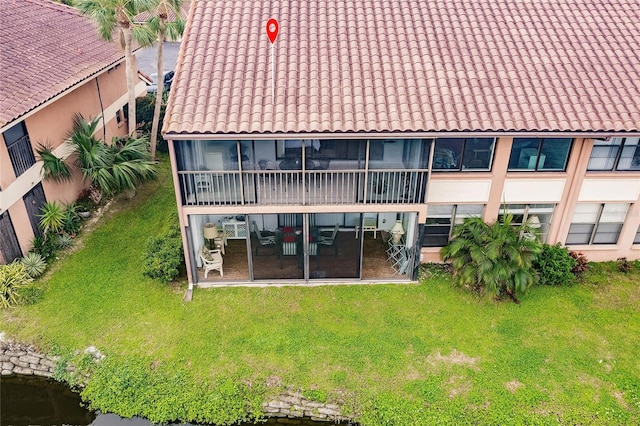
582	264
30	294
13	278
623	265
164	257
46	246
34	264
554	265
64	241
71	222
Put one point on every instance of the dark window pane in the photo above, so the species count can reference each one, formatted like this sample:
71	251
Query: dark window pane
436	235
478	153
524	154
579	233
636	240
607	233
448	154
554	154
19	146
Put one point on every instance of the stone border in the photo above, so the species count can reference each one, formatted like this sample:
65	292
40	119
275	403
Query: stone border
289	407
25	360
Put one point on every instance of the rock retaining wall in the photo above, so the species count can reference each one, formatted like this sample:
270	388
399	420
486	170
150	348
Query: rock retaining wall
289	408
25	360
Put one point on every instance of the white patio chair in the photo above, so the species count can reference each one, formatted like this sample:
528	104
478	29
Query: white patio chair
211	261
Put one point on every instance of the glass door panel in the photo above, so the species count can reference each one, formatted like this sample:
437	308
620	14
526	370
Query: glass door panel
333	249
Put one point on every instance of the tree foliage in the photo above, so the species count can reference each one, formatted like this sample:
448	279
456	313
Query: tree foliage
554	265
116	17
495	257
111	168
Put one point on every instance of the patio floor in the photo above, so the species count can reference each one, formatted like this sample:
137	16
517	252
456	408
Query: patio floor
329	265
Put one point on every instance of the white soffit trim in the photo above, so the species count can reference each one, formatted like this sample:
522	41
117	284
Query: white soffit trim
459	191
612	189
533	190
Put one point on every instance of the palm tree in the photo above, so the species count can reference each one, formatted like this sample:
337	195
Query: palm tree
117	16
165	29
497	257
110	168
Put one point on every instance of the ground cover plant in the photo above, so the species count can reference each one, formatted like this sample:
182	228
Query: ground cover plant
389	354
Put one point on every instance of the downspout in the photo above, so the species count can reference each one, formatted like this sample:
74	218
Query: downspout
104	123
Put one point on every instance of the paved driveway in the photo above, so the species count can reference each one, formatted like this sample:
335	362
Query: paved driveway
147	57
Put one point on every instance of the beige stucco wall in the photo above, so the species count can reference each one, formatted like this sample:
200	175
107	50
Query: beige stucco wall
564	189
50	125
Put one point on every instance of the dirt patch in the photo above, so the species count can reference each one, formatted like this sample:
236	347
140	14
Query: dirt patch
454	358
619	396
273	382
513	386
459	386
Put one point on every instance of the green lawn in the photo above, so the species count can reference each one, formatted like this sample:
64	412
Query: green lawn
396	354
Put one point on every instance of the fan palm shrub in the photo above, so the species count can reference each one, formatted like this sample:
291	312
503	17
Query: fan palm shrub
53	167
495	257
110	168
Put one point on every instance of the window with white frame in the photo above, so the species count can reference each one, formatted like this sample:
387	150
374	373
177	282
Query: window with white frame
595	223
636	240
442	218
615	154
537	215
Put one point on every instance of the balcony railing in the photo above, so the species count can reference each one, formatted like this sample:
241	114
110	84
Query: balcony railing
312	187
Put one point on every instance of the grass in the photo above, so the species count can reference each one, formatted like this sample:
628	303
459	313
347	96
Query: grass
393	354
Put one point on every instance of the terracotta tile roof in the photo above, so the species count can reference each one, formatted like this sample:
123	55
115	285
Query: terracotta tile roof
45	48
409	65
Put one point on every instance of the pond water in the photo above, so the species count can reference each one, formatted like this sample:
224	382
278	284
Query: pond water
37	401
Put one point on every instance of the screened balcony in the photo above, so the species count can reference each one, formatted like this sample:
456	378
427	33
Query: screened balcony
216	173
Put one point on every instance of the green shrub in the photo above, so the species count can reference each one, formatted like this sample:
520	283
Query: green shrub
34	264
164	256
51	217
144	114
45	245
71	221
130	387
30	294
13	278
64	241
554	265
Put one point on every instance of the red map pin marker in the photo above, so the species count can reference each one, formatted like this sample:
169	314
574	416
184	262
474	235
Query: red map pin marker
272	30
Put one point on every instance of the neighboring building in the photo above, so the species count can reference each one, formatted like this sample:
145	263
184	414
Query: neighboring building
422	112
53	66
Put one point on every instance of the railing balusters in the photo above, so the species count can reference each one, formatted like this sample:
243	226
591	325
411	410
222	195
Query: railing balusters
275	187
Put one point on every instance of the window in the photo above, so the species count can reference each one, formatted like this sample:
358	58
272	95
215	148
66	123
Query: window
440	219
19	146
538	154
597	223
636	240
615	154
119	117
538	215
455	154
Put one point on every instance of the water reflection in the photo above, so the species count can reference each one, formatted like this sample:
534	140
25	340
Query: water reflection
28	401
